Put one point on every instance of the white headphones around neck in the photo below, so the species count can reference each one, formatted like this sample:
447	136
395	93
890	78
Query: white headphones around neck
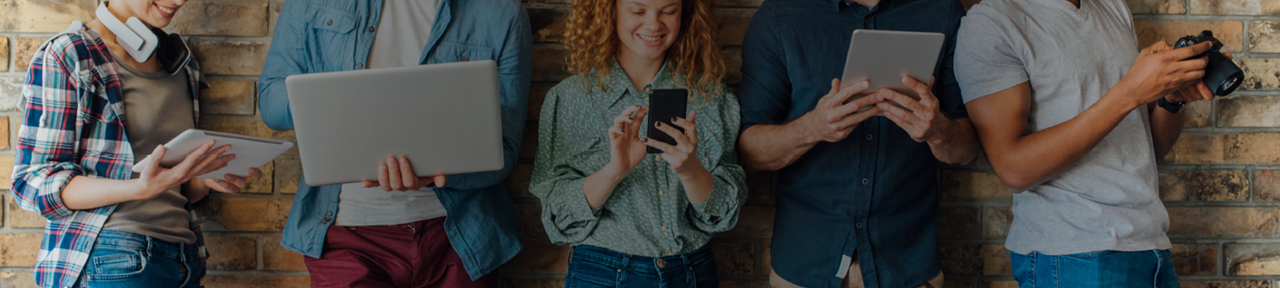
135	36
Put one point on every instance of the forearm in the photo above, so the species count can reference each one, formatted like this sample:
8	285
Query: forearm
958	144
697	185
771	147
1037	157
598	186
196	190
84	193
1166	127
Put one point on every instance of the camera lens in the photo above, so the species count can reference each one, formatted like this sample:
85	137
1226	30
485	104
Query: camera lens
1228	86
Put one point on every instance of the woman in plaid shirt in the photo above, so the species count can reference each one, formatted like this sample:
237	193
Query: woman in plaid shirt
108	226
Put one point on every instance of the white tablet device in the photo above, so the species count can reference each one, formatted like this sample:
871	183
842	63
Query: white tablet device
445	117
251	152
882	57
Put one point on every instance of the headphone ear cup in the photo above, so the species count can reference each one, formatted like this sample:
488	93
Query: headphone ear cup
134	35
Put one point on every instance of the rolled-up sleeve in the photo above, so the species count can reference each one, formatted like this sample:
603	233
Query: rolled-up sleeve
47	138
728	190
557	179
765	90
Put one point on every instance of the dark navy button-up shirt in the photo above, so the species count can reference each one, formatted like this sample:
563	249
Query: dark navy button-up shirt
873	195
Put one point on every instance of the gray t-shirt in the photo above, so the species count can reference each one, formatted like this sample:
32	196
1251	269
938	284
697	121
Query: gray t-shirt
403	32
157	107
1071	57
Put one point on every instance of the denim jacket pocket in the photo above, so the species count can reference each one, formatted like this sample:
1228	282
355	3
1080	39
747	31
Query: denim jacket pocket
331	33
455	52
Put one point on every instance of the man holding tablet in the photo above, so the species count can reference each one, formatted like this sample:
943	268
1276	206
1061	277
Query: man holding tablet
365	234
1074	130
857	195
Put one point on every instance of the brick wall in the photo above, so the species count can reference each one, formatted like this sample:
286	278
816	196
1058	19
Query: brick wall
1221	182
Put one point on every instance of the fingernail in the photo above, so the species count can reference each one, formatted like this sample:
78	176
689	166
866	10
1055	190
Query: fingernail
674	119
645	140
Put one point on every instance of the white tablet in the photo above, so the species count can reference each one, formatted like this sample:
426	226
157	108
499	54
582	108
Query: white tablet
883	57
251	152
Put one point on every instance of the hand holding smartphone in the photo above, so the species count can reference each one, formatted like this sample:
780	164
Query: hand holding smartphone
665	105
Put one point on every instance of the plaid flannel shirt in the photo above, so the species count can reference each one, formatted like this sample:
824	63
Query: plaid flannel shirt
74	125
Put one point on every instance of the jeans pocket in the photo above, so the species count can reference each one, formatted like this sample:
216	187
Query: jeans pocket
705	274
114	265
590	274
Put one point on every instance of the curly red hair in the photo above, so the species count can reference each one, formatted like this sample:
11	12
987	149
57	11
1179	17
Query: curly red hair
592	40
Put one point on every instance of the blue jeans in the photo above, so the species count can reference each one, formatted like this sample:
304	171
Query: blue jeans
124	259
591	266
1151	268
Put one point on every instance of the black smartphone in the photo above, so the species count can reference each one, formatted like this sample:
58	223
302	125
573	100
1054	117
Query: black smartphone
664	105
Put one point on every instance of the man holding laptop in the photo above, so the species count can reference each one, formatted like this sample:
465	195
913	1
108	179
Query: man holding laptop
365	234
857	195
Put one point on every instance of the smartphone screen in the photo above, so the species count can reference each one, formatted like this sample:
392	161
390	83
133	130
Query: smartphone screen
664	104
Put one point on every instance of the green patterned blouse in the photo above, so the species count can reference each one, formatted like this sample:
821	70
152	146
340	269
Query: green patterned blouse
648	213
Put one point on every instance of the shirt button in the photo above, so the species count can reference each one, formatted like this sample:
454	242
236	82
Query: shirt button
857	225
868	136
330	213
586	213
865	181
464	59
359	65
659	192
370	28
330	22
647	90
864	21
664	228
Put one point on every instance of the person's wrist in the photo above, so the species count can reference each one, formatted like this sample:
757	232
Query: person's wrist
138	190
613	172
693	172
803	128
939	137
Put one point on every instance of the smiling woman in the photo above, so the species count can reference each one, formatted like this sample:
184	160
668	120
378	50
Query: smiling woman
108	226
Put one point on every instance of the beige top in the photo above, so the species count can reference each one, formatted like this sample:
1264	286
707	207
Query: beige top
157	108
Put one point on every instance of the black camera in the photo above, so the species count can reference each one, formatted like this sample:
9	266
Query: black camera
1221	75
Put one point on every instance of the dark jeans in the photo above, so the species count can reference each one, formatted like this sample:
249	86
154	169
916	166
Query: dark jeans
127	260
591	266
1151	268
414	255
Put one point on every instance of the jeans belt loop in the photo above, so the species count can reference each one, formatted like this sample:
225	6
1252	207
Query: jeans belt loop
626	262
688	265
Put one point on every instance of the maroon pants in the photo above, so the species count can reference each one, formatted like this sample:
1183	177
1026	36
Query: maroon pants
413	255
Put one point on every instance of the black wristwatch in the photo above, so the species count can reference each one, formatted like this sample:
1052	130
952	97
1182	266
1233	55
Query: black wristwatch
1172	107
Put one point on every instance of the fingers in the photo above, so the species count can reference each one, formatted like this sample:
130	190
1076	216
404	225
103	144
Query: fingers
194	157
1189	51
214	159
407	175
853	120
666	148
439	180
393	174
904	100
369	184
680	138
236	181
1229	56
849	91
1191	64
904	118
383	178
633	128
255	173
153	166
826	100
845	110
1203	90
920	88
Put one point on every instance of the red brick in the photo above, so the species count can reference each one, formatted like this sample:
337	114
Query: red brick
261	184
518	181
17	280
4	53
264	281
1198	114
1249	111
754	221
1223	222
537	94
760	186
228	98
42	16
1266	186
1252	259
1226	284
19	250
10	91
1231	33
965	185
23	49
1232	148
231	253
221	18
1156	6
1204	185
733	25
548	24
229	57
997	220
958	222
996	261
1235	7
962	259
549	63
734	258
1264	36
22	218
1260	73
245	214
1195	259
275	257
530	215
288	173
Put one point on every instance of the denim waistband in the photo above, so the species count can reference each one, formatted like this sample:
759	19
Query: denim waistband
619	260
128	240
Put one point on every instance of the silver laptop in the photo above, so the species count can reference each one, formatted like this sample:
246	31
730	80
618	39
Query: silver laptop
445	117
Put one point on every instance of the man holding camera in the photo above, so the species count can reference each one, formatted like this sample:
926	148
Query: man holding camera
857	194
1073	121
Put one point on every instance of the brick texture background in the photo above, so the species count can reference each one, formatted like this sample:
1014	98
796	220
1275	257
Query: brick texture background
1221	182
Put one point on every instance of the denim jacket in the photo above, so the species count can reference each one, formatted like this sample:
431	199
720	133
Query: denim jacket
314	36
